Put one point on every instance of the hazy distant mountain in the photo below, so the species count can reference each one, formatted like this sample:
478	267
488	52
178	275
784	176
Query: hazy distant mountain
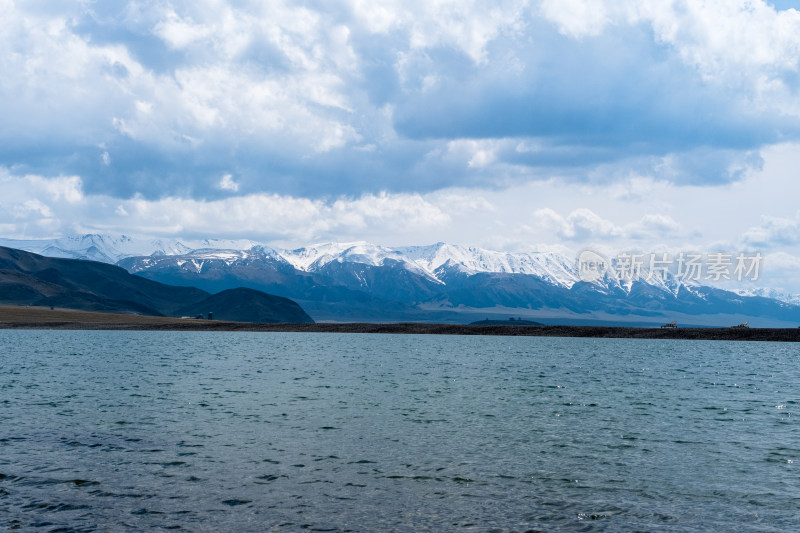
442	282
31	279
111	248
775	294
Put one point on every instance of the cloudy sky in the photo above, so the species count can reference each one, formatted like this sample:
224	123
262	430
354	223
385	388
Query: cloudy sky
512	124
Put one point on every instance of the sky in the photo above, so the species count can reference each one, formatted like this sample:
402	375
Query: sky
517	125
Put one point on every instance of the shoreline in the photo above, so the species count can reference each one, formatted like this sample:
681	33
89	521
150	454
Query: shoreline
38	318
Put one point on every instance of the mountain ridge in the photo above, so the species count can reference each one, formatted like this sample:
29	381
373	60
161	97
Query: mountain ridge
447	282
31	279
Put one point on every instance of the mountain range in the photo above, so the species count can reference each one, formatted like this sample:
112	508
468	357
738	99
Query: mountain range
441	282
31	279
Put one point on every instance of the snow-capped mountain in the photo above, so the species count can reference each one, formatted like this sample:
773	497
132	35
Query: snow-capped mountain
774	294
96	247
363	281
553	267
427	260
424	260
317	256
197	259
109	248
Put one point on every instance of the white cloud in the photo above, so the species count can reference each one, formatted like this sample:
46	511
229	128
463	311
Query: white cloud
577	18
180	32
720	37
274	217
638	188
467	25
584	225
226	183
660	223
471	153
302	82
68	189
32	208
774	231
581	224
463	201
784	262
410	210
24	212
95	90
742	44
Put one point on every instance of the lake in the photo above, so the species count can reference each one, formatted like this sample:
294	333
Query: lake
114	430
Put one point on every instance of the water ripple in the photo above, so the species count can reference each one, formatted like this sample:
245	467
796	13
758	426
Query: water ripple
258	432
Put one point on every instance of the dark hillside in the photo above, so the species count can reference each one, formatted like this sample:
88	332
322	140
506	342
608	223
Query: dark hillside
248	305
31	279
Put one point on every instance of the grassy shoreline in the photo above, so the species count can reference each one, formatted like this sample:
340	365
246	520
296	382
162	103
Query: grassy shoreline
30	318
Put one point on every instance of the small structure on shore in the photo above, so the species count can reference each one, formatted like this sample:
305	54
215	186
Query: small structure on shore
741	326
670	325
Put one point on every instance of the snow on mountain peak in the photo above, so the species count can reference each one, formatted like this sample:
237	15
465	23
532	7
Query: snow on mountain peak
110	248
553	267
423	260
774	294
321	254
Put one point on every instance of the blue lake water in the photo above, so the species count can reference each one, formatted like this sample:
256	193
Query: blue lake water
114	431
